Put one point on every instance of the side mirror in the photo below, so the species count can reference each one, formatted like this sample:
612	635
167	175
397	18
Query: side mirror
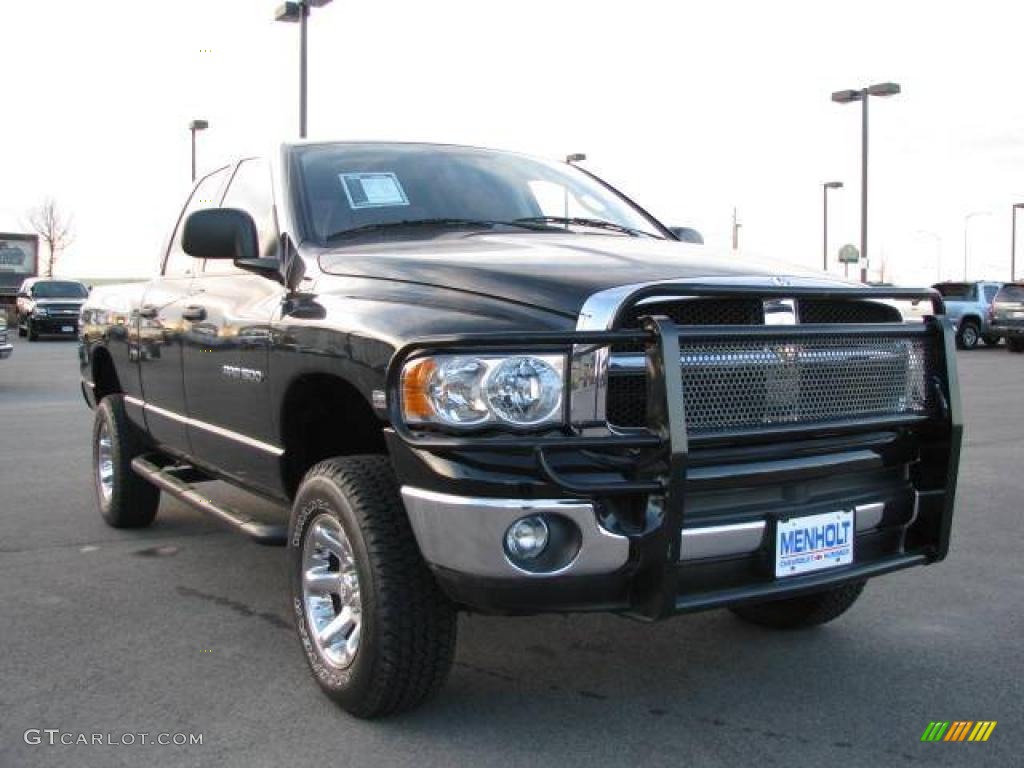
687	235
221	233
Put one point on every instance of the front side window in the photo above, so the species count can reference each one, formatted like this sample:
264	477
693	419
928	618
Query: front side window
204	195
250	190
352	191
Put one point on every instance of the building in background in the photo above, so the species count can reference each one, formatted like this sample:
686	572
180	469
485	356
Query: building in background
19	259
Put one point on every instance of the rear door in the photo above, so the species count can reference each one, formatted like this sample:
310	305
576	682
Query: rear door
161	327
226	350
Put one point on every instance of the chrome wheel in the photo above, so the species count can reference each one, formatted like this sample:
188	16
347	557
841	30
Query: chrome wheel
104	464
330	591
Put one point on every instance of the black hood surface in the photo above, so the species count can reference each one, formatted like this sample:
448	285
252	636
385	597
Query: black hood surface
553	272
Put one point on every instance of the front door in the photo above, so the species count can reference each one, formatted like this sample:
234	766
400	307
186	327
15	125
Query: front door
227	347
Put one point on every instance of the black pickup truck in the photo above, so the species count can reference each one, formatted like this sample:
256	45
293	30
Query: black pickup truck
482	381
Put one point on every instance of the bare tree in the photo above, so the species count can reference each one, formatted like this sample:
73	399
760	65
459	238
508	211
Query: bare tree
53	228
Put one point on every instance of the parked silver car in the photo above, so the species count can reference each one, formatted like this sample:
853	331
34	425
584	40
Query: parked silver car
969	306
1008	315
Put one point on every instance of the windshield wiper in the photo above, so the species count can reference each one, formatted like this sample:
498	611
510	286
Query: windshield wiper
584	222
438	222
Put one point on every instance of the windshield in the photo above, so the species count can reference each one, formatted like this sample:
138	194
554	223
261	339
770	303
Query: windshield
415	190
956	291
59	290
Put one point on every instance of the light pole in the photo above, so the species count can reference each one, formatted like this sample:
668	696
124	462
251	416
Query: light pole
824	245
938	252
292	12
861	95
1013	242
194	127
736	224
967	221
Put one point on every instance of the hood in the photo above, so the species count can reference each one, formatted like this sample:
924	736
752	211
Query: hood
553	272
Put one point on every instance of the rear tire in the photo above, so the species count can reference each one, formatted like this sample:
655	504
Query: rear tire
968	334
125	499
804	611
377	632
1015	345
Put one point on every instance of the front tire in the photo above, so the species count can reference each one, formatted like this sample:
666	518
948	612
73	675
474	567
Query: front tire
33	334
1015	344
990	340
125	499
377	632
968	335
804	611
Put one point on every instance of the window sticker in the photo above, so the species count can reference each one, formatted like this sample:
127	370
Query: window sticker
373	190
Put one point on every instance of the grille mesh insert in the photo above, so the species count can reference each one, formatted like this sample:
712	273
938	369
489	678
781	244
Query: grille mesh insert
832	312
738	384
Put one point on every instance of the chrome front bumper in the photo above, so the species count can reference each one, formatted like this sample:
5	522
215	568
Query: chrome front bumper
466	534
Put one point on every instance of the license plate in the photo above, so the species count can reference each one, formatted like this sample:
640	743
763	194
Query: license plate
813	543
67	329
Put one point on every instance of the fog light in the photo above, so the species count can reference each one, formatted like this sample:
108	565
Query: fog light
526	538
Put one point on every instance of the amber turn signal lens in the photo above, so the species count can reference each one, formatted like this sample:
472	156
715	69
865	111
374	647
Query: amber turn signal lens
415	380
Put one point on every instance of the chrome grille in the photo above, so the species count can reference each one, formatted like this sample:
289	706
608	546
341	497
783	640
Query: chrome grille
63	309
736	384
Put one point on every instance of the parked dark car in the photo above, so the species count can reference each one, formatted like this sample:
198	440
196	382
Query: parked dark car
969	306
484	381
49	307
1008	316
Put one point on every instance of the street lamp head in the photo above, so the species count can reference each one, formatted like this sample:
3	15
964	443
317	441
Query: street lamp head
884	89
198	125
845	97
289	12
577	157
317	3
1018	205
833	185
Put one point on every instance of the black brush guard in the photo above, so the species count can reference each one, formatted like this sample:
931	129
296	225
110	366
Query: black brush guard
653	460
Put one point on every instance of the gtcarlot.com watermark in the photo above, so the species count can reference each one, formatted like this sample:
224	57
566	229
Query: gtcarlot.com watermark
55	736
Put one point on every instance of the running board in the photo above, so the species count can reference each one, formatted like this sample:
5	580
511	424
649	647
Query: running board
168	479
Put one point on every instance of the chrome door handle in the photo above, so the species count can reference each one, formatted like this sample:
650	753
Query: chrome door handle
193	312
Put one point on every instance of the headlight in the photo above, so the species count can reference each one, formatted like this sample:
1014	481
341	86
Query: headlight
476	390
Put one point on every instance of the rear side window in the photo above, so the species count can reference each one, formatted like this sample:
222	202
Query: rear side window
1014	293
205	195
990	293
956	291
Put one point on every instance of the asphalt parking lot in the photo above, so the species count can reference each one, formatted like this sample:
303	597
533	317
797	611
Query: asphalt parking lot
184	628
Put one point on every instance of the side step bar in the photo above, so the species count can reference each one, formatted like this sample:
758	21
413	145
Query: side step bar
167	479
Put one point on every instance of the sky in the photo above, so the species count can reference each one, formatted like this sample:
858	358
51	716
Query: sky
690	108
